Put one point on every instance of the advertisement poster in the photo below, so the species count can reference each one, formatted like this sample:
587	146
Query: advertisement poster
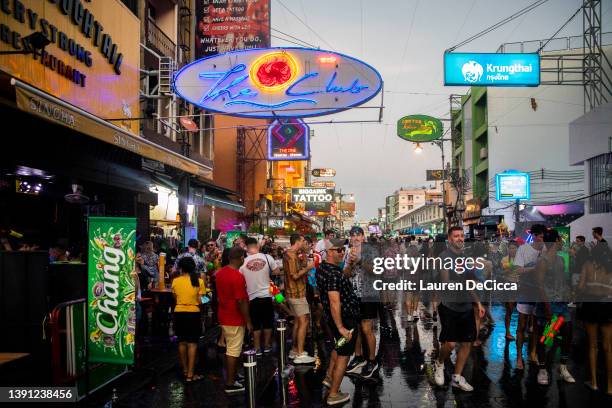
111	306
226	25
419	128
498	69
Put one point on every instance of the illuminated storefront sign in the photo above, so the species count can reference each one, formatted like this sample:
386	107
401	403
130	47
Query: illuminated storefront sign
512	185
326	172
288	139
323	183
278	82
92	60
312	195
466	69
419	128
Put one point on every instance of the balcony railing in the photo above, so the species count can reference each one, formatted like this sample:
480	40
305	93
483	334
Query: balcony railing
157	39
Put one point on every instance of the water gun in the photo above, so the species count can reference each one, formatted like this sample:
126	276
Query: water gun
551	330
276	293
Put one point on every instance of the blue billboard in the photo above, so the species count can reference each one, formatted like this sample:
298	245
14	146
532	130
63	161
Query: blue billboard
512	185
467	69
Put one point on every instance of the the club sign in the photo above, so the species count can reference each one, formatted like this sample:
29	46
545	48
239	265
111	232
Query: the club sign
277	82
312	195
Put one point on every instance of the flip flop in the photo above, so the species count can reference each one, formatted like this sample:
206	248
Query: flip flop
590	386
194	378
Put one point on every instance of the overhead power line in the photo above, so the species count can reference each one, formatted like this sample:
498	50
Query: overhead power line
305	24
559	30
295	38
497	25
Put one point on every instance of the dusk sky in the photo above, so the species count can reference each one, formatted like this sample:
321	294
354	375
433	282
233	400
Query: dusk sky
405	41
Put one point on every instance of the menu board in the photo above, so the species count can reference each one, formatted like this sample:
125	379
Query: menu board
226	25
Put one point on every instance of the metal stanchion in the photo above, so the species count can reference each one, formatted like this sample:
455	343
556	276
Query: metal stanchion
250	362
282	328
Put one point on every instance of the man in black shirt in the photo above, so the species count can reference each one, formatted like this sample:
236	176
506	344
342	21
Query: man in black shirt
341	308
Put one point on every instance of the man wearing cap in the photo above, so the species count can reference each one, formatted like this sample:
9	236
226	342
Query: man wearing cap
358	266
341	310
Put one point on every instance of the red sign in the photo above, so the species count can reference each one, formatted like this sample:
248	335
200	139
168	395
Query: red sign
226	25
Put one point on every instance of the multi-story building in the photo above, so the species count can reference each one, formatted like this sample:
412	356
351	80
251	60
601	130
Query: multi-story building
424	220
524	129
408	199
390	211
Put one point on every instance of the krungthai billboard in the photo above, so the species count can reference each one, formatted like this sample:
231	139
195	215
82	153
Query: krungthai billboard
480	69
277	83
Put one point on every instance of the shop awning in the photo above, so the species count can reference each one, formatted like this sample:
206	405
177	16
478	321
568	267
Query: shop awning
219	199
54	110
304	218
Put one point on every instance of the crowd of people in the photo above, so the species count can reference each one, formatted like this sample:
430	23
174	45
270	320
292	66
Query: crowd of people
326	289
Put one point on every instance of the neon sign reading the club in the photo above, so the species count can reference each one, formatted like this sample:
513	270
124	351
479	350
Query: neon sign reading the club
277	82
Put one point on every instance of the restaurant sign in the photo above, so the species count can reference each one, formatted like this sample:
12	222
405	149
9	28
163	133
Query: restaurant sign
419	128
277	82
111	300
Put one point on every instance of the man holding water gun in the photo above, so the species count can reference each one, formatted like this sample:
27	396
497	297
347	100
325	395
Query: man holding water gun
553	286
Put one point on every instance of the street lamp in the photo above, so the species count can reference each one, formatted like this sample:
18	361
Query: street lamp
418	149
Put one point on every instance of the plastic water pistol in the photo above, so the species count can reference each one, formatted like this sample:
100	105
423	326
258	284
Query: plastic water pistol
551	330
276	293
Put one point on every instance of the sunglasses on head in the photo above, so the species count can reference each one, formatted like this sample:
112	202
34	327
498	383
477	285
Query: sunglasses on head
337	249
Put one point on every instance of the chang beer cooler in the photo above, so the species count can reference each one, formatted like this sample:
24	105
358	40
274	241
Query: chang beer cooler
101	333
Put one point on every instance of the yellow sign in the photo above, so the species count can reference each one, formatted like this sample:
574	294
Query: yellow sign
93	57
61	113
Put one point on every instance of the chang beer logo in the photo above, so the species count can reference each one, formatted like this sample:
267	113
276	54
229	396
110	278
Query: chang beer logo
106	318
419	128
472	71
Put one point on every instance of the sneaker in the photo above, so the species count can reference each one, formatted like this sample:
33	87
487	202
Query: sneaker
369	369
258	353
543	376
439	373
339	398
355	365
327	382
303	358
267	350
234	388
565	374
292	355
459	382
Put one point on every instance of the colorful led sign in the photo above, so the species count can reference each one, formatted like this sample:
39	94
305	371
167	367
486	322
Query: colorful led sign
512	185
288	139
467	69
277	82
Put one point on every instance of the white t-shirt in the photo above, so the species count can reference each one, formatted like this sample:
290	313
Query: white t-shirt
526	256
322	247
257	270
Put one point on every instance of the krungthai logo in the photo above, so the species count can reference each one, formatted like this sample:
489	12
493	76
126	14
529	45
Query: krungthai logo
472	71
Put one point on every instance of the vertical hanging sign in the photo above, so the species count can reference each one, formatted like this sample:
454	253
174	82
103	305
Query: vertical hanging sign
111	301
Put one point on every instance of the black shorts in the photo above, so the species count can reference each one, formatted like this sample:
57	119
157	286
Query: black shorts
187	326
368	310
457	326
262	313
347	348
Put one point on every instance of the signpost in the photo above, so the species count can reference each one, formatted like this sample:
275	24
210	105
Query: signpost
111	306
327	172
512	185
260	83
481	69
435	175
312	195
288	139
419	128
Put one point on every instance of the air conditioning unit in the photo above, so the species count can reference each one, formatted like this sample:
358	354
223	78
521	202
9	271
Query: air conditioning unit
484	153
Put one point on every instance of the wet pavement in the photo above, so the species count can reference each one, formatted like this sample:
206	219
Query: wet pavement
405	379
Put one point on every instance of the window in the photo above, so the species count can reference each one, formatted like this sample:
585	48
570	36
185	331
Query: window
410	198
